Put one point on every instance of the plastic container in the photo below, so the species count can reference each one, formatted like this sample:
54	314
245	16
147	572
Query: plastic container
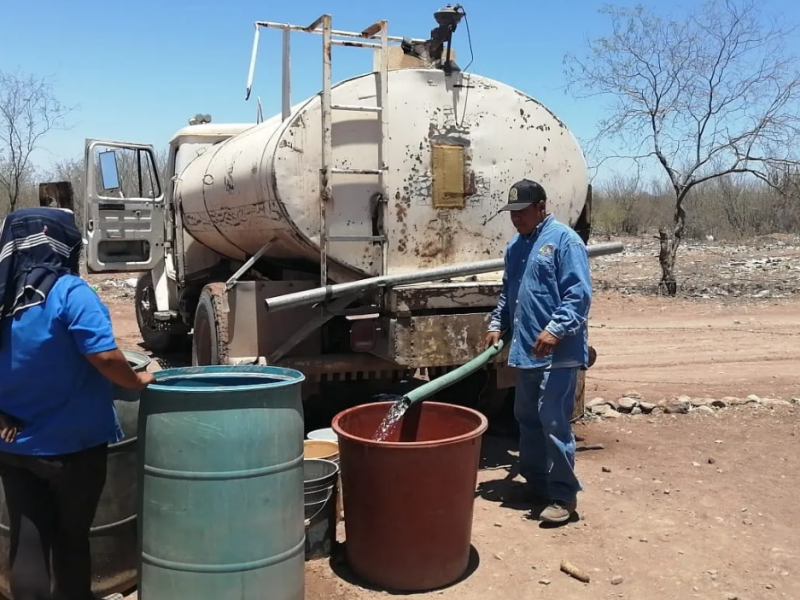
320	479
409	500
321	449
324	435
221	493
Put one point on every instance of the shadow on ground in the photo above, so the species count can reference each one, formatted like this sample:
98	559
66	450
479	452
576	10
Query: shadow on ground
341	568
500	453
499	456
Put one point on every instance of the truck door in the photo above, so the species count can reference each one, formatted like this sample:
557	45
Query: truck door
124	208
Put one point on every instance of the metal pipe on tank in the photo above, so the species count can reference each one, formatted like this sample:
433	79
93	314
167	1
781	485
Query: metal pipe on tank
286	75
252	70
330	292
325	184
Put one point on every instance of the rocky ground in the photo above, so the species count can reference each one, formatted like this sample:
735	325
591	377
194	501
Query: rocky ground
690	480
764	268
633	404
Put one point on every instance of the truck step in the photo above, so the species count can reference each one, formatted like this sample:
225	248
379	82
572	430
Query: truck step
165	315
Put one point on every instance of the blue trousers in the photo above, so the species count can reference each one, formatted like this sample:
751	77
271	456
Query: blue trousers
543	405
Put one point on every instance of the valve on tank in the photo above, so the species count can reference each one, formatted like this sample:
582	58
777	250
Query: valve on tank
199	119
431	51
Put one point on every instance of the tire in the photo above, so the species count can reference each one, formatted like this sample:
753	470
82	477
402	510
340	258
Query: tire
157	340
210	338
494	401
580	390
583	227
580	397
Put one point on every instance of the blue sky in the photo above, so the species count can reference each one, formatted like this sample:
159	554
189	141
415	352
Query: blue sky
137	70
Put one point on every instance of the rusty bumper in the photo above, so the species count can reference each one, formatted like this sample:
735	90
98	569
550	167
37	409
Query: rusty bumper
438	340
433	340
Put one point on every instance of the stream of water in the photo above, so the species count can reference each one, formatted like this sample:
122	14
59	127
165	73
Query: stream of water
392	418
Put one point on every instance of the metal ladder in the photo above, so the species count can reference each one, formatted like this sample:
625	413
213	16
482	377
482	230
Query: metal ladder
322	26
327	172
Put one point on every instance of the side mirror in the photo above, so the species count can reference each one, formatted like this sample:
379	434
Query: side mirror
108	170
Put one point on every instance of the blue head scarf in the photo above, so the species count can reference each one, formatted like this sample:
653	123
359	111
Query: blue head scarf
37	246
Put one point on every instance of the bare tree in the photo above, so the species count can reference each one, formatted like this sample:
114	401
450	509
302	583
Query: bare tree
713	94
626	194
29	110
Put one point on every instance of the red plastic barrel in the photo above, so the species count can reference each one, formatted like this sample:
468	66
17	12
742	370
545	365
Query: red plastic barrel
409	500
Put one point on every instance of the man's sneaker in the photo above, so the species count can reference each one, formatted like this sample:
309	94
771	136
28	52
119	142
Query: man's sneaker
558	512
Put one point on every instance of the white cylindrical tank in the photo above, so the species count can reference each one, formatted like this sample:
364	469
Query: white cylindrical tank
456	145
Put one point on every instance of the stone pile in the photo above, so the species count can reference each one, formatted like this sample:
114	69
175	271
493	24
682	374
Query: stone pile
632	403
765	269
116	288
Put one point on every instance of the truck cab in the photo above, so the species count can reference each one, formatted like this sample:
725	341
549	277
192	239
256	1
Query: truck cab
133	224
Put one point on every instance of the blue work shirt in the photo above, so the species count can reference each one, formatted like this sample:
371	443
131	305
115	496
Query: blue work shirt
546	285
63	403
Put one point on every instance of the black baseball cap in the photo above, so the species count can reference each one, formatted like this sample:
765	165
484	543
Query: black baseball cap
523	194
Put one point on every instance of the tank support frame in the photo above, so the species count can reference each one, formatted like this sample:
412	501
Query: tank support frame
334	37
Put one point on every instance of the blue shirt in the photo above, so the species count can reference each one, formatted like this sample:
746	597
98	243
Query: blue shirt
546	285
64	404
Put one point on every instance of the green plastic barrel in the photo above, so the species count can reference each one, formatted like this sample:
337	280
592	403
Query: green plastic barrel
221	484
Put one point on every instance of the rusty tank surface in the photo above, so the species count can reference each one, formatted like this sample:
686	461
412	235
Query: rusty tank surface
409	500
458	143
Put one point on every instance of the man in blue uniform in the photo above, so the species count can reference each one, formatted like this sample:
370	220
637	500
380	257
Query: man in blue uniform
545	302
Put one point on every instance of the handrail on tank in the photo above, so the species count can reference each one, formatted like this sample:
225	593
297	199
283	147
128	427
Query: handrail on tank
329	292
369	33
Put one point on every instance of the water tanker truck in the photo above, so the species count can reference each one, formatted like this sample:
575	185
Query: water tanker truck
354	235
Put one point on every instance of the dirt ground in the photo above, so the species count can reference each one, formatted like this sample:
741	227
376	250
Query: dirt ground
655	512
664	347
676	506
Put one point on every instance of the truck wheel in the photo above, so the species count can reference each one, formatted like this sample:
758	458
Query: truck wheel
492	402
580	397
210	338
154	338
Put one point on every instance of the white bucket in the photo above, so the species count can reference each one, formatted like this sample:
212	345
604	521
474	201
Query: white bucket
324	435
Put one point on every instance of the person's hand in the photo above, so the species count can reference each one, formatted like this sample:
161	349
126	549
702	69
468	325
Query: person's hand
545	344
9	427
145	379
492	338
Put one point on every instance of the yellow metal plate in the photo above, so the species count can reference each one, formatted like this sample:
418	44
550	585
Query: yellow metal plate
448	176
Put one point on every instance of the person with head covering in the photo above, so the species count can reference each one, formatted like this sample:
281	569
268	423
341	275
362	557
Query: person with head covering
58	363
544	304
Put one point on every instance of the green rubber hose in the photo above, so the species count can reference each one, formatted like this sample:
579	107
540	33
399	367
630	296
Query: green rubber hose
432	387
